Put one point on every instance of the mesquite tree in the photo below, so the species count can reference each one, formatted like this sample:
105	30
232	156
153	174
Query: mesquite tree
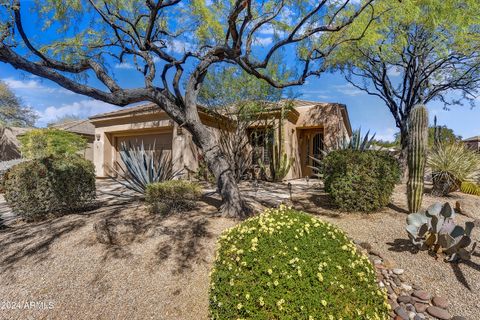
414	52
71	42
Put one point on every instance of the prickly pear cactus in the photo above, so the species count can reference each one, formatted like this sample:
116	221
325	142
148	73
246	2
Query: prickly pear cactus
417	156
435	230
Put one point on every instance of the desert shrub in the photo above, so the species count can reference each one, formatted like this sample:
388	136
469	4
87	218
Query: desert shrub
451	164
360	180
285	264
172	196
38	187
41	143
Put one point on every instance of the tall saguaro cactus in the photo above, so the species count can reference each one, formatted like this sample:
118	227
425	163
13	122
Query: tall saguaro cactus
417	155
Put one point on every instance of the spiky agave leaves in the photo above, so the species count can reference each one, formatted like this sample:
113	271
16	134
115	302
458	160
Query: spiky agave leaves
435	229
143	167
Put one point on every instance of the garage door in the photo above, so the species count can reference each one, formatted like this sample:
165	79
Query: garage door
155	143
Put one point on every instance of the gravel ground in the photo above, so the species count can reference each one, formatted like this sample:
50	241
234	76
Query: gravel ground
159	273
385	231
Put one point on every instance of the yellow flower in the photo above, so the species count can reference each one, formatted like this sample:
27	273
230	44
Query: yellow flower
319	276
239	306
270	271
324	303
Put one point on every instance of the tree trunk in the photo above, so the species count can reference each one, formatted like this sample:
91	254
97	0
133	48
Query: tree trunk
404	153
233	204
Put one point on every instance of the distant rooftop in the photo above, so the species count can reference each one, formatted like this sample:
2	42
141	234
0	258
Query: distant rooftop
476	138
77	126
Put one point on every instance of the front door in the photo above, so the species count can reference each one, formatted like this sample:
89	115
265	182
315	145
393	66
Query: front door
311	146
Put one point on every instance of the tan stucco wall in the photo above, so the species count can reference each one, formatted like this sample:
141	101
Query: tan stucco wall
185	154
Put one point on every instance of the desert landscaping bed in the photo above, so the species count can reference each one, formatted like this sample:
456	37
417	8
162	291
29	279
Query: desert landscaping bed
158	268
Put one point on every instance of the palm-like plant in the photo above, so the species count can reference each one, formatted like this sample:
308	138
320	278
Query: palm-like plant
142	167
451	164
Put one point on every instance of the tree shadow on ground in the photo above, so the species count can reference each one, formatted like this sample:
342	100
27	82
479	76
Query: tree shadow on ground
402	245
181	235
33	240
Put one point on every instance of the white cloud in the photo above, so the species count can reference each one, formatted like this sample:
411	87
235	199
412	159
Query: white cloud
263	41
124	65
178	46
32	85
348	89
82	108
387	134
393	72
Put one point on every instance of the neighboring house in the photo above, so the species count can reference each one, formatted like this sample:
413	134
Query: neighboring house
473	143
307	128
83	128
9	144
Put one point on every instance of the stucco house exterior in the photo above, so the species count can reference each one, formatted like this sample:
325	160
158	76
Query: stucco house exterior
473	143
307	128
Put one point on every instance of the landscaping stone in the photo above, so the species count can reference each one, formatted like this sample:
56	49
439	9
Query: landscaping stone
459	318
404	299
402	313
422	295
398	271
440	302
420	307
439	313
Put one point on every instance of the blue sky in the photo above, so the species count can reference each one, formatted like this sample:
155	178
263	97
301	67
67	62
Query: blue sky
370	113
367	112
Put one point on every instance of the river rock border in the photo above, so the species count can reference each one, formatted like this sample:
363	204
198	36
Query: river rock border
408	301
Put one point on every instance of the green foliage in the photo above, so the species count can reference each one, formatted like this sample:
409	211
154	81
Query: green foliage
172	196
285	264
434	229
451	164
444	135
360	180
417	156
41	143
277	168
143	167
39	187
12	112
470	188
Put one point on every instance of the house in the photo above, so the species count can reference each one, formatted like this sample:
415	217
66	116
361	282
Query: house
306	128
473	143
83	128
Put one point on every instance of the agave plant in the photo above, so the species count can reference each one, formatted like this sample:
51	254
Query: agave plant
142	167
435	229
355	142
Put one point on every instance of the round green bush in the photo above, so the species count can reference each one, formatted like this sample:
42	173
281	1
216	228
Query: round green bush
36	188
360	180
285	264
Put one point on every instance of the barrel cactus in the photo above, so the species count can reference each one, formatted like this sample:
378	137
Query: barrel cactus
417	156
435	229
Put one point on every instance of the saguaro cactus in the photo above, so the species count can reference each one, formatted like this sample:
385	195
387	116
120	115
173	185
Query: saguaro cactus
417	155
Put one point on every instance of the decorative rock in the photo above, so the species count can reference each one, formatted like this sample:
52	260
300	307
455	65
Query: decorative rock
404	299
420	307
402	313
438	313
440	302
398	318
411	315
419	316
406	287
422	295
459	318
377	261
410	307
398	271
